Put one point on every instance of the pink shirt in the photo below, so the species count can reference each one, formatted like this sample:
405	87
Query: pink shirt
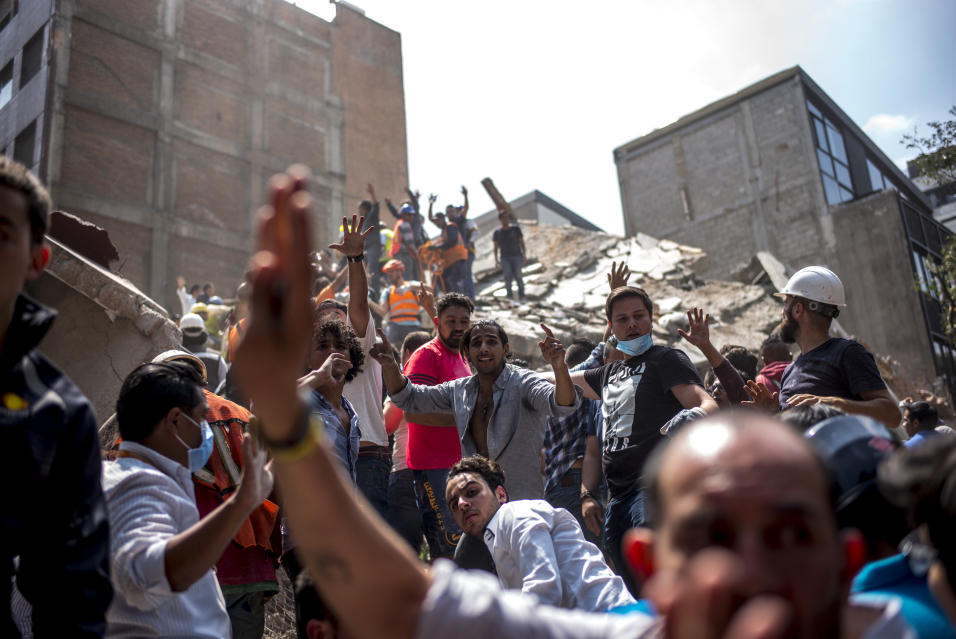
434	446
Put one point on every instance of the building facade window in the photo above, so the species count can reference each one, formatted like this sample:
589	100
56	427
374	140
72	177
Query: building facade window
32	58
24	144
8	9
6	84
878	181
831	155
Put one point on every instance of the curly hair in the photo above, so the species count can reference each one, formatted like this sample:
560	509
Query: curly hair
17	177
488	470
343	336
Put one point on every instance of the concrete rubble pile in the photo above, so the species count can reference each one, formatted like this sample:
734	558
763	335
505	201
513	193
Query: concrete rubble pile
566	286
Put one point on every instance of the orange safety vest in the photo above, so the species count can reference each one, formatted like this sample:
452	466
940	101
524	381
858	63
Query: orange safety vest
456	253
402	306
235	336
221	473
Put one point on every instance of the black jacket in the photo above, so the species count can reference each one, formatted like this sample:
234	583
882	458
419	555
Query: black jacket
53	515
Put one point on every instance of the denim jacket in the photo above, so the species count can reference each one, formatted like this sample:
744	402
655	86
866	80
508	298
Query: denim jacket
523	402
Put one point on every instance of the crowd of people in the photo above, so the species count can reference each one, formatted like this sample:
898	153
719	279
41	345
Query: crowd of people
373	438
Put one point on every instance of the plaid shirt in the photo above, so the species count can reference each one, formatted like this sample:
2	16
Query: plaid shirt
565	439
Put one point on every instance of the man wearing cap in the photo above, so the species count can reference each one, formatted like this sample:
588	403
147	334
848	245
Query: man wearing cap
830	370
194	341
920	420
401	302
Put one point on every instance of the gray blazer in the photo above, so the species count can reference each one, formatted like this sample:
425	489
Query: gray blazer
523	403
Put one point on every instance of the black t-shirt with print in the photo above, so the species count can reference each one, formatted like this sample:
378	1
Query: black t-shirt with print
636	401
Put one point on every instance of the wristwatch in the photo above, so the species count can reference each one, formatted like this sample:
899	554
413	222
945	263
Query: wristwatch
587	494
356	258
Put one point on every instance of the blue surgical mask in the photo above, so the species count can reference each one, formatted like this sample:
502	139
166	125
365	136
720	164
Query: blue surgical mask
636	346
199	456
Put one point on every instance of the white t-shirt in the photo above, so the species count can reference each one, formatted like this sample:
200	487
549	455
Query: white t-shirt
365	391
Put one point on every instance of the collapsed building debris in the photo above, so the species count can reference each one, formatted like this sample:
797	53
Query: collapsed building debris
105	326
566	286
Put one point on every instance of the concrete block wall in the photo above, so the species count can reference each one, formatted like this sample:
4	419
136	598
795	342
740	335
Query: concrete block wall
168	117
747	173
883	306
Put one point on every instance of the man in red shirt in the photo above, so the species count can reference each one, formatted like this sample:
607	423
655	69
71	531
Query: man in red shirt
432	451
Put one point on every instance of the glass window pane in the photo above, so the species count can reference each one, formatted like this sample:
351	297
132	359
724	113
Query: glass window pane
815	111
831	190
836	144
6	84
826	164
876	178
843	175
32	58
23	145
821	135
845	195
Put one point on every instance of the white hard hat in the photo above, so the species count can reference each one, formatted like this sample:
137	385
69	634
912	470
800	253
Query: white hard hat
174	355
817	284
191	322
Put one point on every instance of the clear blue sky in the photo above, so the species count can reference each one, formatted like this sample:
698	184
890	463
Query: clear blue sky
537	94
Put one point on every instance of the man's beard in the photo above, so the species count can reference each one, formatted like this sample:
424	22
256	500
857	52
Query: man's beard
452	341
787	329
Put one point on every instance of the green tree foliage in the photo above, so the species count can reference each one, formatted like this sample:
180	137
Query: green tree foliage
937	153
945	287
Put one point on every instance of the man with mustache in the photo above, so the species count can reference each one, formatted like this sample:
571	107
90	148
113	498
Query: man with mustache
830	370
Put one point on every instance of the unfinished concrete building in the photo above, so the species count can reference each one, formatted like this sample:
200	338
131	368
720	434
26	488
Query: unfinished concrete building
779	167
161	120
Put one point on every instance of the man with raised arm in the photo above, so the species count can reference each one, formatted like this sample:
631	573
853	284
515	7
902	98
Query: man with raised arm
502	410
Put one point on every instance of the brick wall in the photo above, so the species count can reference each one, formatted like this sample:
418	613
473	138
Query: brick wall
171	115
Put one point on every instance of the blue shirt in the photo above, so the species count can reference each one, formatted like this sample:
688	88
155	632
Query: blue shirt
920	437
892	576
344	445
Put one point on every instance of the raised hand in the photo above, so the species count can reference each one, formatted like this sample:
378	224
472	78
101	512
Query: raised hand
426	299
551	349
269	358
371	191
699	334
353	240
619	275
464	191
382	351
180	281
335	366
432	198
761	397
257	479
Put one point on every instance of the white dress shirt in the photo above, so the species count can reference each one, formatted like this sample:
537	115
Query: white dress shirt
541	550
149	503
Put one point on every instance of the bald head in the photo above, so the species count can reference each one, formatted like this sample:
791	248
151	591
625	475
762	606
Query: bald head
747	485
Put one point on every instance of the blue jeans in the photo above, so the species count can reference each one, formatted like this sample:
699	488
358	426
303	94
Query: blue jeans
403	513
371	474
567	495
511	270
441	531
454	277
469	277
623	514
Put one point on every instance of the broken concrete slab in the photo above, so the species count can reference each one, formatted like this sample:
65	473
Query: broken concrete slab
104	328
